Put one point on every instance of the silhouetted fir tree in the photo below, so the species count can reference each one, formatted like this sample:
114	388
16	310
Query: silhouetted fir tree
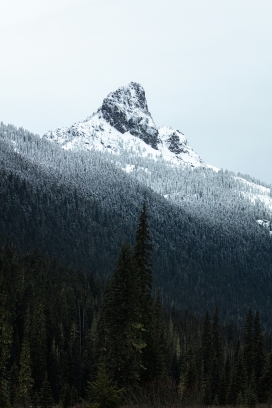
99	324
251	395
54	371
13	382
38	343
217	359
248	343
40	313
217	349
36	400
122	322
46	399
65	396
25	376
240	400
238	379
237	350
258	352
190	376
103	391
207	391
265	384
5	341
175	367
215	373
222	388
206	344
74	395
143	264
160	341
227	372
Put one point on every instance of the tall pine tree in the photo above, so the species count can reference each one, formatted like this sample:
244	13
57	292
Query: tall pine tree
25	376
143	264
122	331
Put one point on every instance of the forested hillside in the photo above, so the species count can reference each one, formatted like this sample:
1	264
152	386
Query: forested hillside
66	337
80	206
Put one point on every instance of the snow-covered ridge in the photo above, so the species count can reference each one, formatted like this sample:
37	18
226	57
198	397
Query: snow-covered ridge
124	123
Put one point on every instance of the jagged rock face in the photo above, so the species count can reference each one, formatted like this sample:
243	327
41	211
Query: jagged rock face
127	111
174	143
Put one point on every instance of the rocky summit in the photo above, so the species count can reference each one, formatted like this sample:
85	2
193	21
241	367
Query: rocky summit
122	125
127	111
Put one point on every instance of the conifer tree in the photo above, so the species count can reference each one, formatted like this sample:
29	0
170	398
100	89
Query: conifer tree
13	382
258	352
240	400
122	334
217	359
222	388
103	391
160	342
65	396
265	385
217	340
238	380
143	264
38	343
237	351
215	373
5	342
190	377
248	343
227	370
251	395
143	260
207	391
25	376
206	344
46	400
206	353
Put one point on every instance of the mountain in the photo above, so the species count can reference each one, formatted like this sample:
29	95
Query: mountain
77	192
122	125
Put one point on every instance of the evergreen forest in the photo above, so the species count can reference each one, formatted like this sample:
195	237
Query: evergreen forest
71	339
80	207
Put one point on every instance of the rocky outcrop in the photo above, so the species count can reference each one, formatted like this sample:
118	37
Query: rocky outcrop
127	111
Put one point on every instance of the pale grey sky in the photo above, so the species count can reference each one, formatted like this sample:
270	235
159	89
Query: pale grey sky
206	67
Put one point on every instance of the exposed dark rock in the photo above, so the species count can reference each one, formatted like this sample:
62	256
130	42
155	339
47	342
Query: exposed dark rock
127	111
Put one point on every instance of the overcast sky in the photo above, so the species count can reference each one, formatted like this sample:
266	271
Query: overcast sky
206	67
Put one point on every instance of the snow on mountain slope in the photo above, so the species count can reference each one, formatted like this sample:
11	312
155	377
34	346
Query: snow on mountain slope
123	127
124	124
255	192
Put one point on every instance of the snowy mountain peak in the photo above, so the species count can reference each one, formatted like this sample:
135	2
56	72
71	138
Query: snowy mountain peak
127	111
123	124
